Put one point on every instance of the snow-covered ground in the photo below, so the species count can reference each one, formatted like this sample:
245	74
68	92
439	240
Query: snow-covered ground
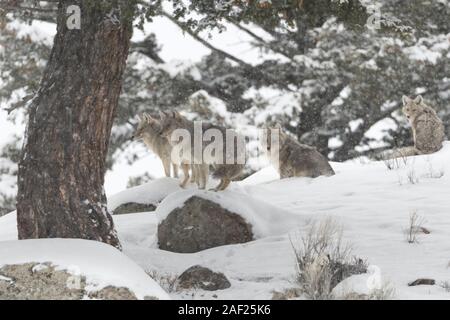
372	203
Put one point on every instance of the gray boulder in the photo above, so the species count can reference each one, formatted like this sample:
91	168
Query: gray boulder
198	277
201	224
133	207
421	282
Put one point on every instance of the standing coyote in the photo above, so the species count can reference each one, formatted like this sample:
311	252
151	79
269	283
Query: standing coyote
427	128
147	131
225	168
294	159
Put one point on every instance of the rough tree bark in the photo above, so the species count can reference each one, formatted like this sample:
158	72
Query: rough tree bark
62	169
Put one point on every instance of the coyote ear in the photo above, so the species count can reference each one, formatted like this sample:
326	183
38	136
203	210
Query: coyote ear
172	114
177	114
406	100
149	118
162	115
418	99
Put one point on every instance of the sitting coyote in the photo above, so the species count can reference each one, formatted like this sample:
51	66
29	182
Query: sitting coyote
294	159
225	168
428	130
148	131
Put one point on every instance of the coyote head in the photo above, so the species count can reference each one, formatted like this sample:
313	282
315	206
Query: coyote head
412	106
147	126
170	121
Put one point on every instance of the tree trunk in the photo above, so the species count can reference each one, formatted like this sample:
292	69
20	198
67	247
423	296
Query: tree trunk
61	172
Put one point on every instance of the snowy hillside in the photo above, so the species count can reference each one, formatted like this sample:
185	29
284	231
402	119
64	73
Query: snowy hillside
371	201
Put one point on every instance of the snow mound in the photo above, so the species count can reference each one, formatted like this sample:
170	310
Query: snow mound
101	264
149	193
267	174
8	227
366	284
266	219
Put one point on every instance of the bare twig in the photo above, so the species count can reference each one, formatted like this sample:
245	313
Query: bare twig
415	227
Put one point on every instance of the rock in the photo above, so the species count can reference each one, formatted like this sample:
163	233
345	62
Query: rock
42	281
424	230
113	293
133	207
201	224
419	282
198	277
288	294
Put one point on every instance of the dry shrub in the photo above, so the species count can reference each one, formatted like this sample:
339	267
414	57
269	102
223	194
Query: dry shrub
415	227
166	281
323	260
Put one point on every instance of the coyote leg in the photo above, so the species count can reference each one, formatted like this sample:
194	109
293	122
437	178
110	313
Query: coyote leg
225	185
194	175
204	173
185	168
220	185
166	165
175	170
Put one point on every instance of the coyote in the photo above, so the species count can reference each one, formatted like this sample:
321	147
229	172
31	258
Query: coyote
226	169
147	131
427	128
294	159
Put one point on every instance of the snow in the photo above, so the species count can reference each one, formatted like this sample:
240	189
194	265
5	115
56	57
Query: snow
149	193
344	94
8	183
216	106
371	202
421	52
117	178
38	31
175	67
360	283
102	264
281	103
9	129
378	130
8	227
